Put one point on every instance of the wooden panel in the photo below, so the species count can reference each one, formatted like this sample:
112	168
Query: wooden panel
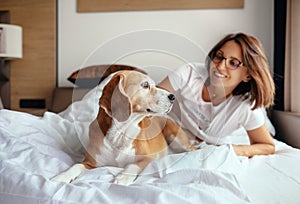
33	76
139	5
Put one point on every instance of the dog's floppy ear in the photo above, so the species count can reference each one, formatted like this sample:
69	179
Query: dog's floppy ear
114	100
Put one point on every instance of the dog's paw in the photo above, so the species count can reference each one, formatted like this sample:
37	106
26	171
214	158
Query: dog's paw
192	148
70	175
62	178
124	179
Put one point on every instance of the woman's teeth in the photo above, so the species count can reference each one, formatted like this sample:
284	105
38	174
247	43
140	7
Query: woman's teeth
219	75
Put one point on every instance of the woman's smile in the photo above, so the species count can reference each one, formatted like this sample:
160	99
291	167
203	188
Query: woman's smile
218	74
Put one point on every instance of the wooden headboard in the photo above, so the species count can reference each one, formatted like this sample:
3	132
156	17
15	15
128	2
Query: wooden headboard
64	96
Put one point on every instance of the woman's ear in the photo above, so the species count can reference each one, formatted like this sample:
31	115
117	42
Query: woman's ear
246	78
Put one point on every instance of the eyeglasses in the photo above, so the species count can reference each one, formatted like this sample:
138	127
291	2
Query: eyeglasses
230	63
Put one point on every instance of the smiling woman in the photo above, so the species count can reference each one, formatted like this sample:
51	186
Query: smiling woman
226	73
231	91
257	79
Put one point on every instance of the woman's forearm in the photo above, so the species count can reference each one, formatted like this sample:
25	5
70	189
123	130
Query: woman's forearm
254	149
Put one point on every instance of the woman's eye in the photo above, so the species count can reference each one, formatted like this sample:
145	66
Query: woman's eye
234	62
146	85
219	56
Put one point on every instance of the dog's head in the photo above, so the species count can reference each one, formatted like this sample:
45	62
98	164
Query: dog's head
133	92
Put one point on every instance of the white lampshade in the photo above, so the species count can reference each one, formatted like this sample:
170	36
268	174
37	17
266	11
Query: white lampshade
10	41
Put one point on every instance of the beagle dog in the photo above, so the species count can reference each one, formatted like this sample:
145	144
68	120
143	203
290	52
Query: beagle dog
131	128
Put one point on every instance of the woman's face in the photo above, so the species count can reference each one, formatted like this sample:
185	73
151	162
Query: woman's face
221	75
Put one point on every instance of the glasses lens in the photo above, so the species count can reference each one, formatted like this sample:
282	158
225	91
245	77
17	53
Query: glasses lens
218	57
233	63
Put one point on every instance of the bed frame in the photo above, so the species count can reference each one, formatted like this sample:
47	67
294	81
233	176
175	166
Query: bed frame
287	127
63	97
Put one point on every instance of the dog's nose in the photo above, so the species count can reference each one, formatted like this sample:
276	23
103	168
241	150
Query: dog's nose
171	97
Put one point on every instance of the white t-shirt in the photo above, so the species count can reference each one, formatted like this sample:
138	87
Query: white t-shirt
224	123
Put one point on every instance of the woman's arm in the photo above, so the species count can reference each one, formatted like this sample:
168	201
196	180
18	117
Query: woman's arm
261	143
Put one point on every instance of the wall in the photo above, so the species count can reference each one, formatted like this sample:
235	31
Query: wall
125	37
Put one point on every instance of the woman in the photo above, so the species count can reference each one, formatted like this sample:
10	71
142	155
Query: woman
226	98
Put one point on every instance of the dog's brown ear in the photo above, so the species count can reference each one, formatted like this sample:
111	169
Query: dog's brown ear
114	100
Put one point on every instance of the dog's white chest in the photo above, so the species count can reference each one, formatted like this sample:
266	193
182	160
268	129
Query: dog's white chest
117	149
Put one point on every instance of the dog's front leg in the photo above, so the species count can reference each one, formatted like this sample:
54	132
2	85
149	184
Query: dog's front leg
131	171
177	138
71	174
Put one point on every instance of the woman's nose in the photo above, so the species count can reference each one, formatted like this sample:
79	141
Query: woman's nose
221	65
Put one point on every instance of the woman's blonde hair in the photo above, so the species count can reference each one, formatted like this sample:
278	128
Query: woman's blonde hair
260	88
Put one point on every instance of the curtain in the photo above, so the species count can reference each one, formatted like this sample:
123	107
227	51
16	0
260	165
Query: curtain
292	58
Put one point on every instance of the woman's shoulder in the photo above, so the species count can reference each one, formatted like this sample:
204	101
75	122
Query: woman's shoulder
196	69
244	107
188	75
195	66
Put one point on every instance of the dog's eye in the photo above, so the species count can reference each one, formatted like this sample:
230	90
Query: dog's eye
145	85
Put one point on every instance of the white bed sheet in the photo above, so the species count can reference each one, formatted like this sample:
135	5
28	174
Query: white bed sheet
274	178
34	149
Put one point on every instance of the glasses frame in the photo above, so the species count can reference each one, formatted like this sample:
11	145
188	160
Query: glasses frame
218	61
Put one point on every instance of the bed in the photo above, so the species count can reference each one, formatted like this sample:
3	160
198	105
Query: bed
33	149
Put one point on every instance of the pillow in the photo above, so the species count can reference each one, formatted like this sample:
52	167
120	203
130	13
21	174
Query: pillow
91	76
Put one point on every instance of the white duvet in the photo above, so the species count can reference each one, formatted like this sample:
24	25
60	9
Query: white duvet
34	149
